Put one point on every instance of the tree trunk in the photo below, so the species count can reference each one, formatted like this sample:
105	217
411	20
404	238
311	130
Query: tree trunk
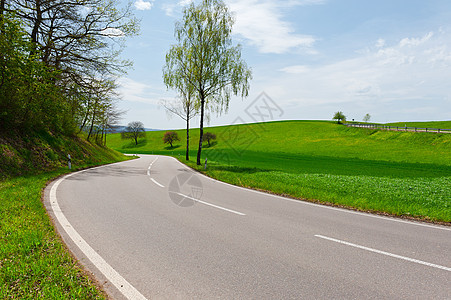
36	25
187	137
2	8
92	122
201	134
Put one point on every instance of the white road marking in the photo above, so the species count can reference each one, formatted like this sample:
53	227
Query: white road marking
209	204
151	164
128	290
148	173
385	253
325	206
157	183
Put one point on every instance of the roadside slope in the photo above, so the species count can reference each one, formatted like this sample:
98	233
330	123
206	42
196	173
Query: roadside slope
34	262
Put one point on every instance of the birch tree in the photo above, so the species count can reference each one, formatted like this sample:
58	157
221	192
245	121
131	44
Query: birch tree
206	59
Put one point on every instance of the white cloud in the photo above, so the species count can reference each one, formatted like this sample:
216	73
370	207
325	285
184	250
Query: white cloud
169	9
261	23
112	32
416	41
380	43
143	5
295	69
135	91
389	81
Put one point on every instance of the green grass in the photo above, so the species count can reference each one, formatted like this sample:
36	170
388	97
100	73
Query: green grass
34	263
401	173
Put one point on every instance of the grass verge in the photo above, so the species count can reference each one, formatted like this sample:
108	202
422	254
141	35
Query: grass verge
34	263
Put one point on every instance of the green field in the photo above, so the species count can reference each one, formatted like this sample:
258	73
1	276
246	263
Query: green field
400	173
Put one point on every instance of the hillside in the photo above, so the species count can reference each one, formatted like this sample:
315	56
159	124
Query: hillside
400	173
34	263
303	138
22	154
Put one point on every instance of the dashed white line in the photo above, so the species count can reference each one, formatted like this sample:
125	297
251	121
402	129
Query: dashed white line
148	173
385	253
128	290
157	183
209	204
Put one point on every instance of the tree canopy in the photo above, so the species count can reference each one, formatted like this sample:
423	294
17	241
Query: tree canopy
170	137
205	59
339	116
59	61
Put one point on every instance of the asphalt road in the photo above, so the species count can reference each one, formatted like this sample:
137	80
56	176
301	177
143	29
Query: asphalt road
151	228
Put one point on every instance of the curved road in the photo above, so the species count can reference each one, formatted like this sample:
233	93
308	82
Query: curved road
152	228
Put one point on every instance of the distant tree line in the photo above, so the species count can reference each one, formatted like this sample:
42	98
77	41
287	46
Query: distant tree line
58	64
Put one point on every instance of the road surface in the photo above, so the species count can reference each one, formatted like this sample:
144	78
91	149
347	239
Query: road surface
152	228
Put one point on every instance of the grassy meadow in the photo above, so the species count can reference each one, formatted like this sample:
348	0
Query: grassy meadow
400	173
34	263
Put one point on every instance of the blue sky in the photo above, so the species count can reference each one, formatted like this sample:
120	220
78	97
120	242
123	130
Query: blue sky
391	59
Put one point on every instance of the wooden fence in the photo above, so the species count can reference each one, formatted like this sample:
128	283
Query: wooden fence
398	128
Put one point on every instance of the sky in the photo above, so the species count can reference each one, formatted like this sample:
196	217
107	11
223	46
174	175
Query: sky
309	58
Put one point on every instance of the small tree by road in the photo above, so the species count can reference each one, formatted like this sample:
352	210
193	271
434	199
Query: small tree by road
134	130
170	137
208	136
367	118
340	117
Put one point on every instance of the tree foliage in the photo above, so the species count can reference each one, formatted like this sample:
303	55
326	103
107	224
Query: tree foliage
170	137
205	60
367	118
209	137
134	130
339	117
58	65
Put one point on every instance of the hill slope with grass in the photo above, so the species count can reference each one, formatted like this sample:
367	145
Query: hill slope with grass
34	263
400	173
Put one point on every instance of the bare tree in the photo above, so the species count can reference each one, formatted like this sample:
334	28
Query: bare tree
184	107
134	130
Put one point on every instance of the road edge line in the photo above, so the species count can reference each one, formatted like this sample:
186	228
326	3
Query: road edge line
128	290
393	219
